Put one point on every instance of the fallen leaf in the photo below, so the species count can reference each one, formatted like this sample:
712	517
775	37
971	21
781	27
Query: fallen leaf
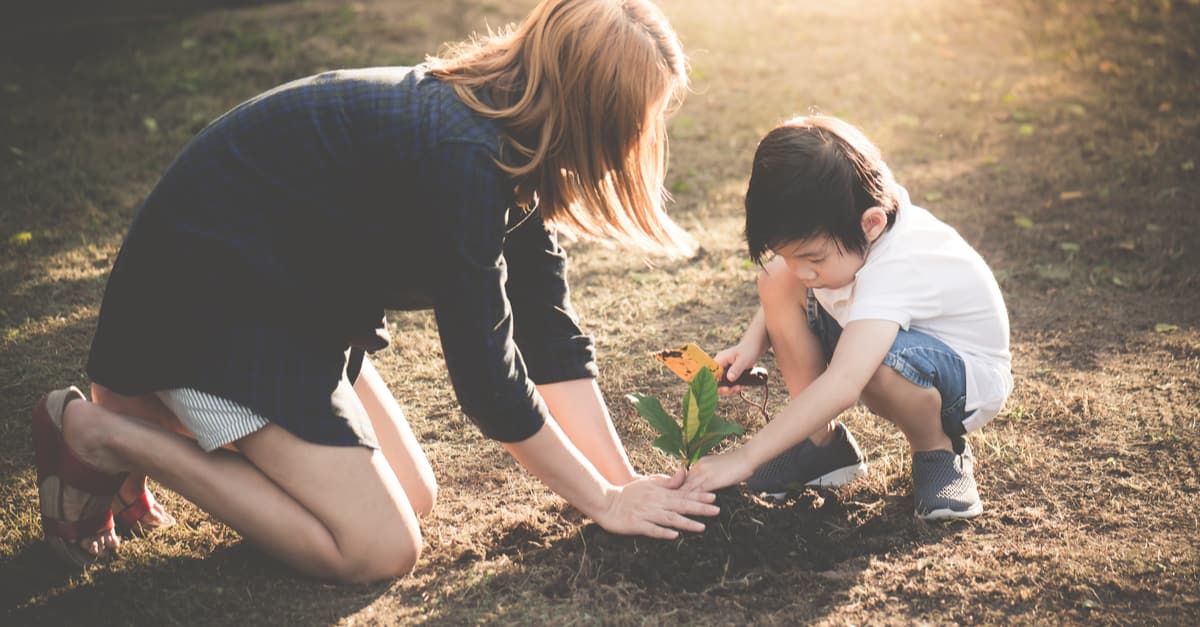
1129	245
1153	228
188	43
1070	247
20	239
151	124
1163	327
1025	130
1188	166
1164	107
1071	195
1108	67
933	196
1077	110
1023	222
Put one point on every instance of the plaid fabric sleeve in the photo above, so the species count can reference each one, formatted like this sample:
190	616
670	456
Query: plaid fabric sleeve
546	327
474	317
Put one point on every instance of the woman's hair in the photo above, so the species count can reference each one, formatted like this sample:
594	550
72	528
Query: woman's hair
815	176
582	88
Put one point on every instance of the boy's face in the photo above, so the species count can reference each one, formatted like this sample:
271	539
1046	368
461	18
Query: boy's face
820	263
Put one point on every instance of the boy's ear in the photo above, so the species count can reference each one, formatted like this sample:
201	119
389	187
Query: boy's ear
874	221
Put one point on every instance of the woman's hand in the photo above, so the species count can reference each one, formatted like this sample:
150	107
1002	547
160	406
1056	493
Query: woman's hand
654	506
718	471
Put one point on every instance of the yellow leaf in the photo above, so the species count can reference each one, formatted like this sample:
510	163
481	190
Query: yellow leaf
1188	166
22	238
1070	247
1071	195
1163	327
1025	130
1023	222
1130	246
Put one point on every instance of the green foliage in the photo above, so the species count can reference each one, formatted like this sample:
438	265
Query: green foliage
700	428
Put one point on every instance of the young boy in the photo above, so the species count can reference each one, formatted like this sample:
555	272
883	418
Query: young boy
865	296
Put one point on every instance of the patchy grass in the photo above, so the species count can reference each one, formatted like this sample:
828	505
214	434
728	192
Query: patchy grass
1056	135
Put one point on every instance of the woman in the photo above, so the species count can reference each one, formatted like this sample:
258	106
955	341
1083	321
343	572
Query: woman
257	271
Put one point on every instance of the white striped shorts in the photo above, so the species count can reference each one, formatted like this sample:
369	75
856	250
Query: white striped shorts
213	421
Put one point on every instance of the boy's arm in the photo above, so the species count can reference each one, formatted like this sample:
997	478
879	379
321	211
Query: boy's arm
742	356
859	353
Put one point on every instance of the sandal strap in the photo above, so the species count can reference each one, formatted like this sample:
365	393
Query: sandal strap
77	529
134	510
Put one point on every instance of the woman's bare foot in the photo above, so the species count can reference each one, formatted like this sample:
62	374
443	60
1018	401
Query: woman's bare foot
126	502
85	427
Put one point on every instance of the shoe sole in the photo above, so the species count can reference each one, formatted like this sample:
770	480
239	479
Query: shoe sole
950	514
836	479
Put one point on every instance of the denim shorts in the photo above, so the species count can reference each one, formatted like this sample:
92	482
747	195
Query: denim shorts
918	357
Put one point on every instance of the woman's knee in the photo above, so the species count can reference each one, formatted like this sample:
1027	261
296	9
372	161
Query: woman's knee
393	556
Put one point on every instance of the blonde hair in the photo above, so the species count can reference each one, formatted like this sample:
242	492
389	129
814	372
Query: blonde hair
582	88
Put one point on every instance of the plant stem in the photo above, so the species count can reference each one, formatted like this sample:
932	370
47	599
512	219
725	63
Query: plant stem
762	407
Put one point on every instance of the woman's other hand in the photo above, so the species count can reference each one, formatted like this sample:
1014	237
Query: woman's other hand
654	506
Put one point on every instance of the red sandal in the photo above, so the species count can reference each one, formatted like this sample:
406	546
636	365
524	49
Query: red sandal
58	467
128	516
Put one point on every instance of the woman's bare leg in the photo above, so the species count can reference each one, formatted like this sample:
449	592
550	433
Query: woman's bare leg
149	408
332	512
400	446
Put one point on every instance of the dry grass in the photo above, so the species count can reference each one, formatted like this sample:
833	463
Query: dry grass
1057	136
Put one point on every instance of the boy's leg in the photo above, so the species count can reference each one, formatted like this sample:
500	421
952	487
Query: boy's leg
831	457
921	388
915	410
396	439
798	352
332	512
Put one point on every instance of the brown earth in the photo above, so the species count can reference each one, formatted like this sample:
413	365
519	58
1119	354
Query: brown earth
1060	137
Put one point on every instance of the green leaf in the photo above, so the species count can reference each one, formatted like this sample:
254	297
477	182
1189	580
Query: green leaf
704	389
653	412
691	413
671	445
720	429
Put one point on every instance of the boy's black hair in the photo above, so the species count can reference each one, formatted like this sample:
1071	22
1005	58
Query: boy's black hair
814	176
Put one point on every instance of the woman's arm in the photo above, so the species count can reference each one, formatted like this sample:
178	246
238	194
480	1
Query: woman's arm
580	411
649	506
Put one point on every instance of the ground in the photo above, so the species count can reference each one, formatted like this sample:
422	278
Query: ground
1060	138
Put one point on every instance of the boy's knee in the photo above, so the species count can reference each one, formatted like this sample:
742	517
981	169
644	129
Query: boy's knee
777	288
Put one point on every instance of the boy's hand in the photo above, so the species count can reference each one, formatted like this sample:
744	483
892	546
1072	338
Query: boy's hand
718	471
737	360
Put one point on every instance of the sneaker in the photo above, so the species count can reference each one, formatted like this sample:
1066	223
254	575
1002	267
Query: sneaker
830	466
944	485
